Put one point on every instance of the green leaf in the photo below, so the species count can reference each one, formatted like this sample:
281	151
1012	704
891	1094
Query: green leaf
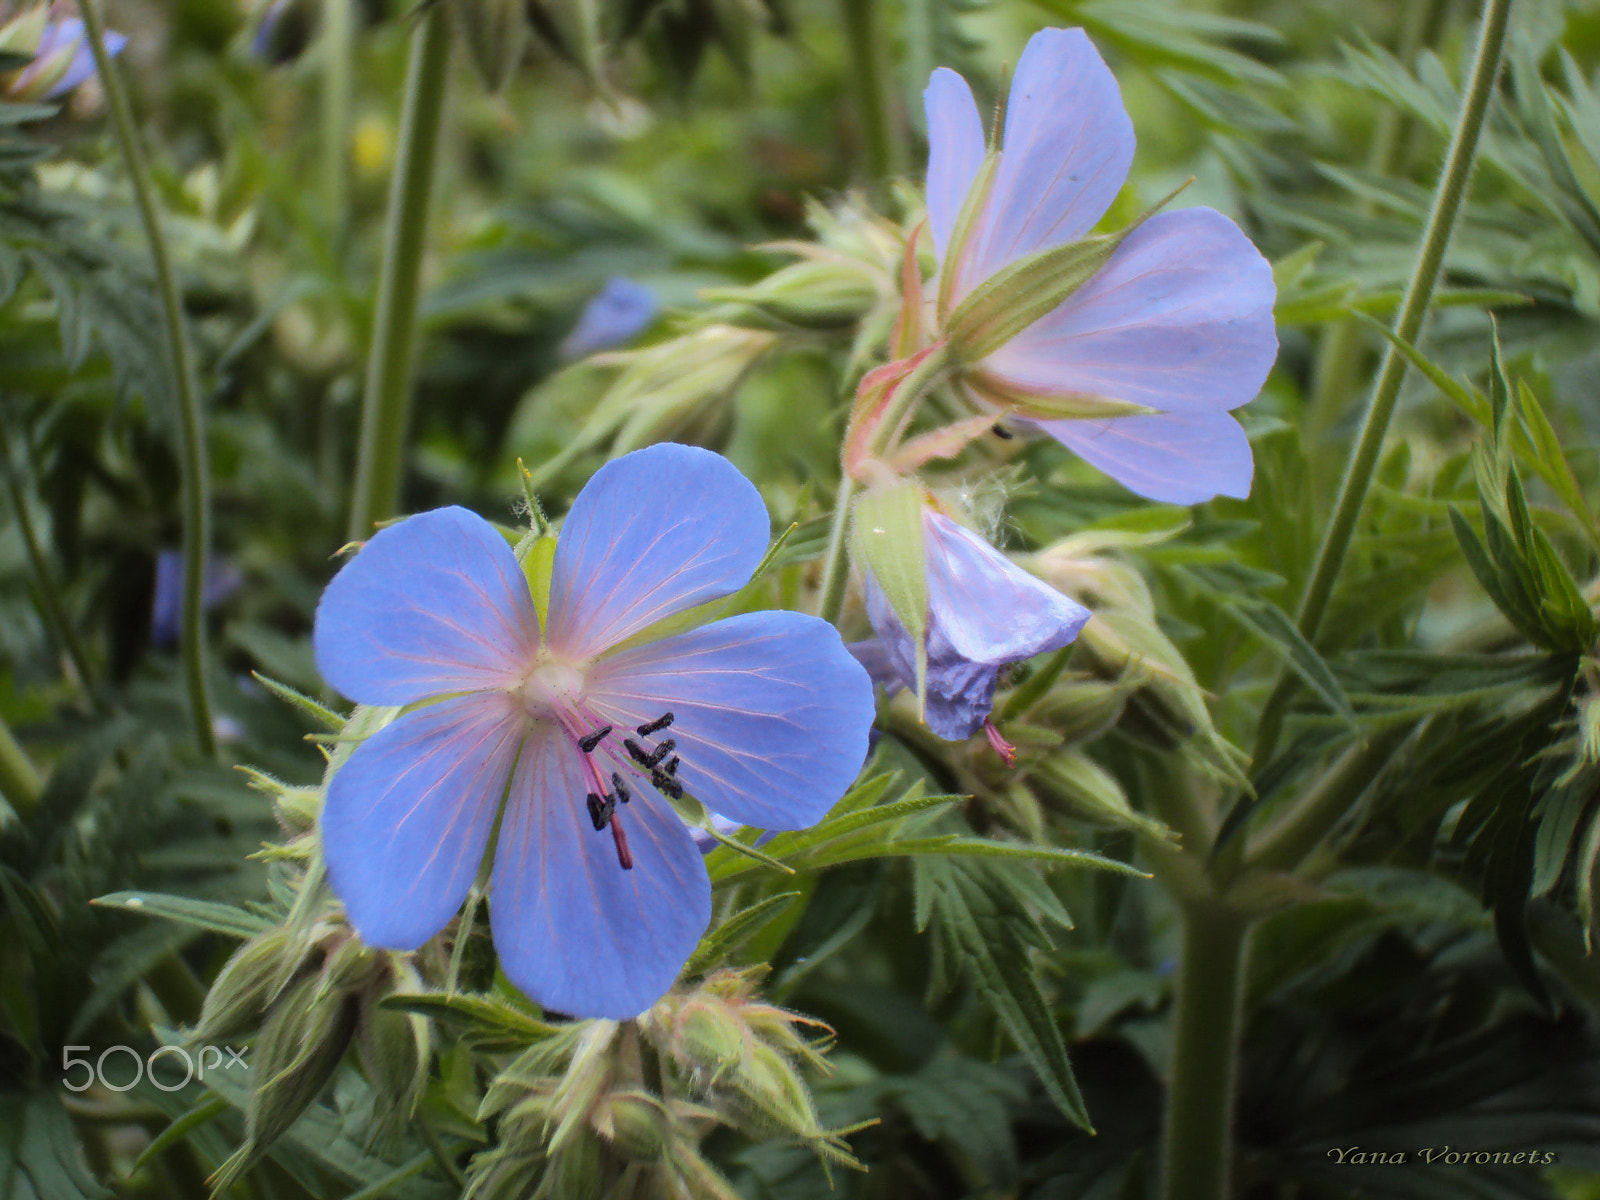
718	943
490	1019
202	914
1278	630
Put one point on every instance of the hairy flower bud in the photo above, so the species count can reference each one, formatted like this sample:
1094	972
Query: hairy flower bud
243	989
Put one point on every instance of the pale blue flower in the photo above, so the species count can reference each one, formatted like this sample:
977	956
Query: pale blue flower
598	893
62	41
1178	320
619	312
984	613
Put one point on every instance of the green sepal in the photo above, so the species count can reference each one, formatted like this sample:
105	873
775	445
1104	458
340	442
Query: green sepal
538	564
886	539
1018	294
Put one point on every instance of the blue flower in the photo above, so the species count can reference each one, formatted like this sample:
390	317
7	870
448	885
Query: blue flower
61	62
620	312
1178	320
222	579
984	613
580	722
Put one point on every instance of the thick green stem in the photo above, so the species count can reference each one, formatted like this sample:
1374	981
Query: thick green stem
836	569
338	36
1447	198
1199	1135
20	783
55	609
866	46
180	358
386	404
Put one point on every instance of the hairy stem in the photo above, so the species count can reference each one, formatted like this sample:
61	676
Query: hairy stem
1198	1146
180	358
1447	198
386	404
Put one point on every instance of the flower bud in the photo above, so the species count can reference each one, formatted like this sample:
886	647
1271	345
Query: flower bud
243	989
635	1123
710	1039
818	293
496	33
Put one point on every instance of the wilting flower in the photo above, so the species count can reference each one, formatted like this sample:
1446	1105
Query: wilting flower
62	59
1171	323
598	892
983	613
619	312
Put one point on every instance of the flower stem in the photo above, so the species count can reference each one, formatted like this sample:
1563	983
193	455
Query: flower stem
865	44
191	429
386	404
338	31
1199	1125
55	608
908	392
1447	198
20	783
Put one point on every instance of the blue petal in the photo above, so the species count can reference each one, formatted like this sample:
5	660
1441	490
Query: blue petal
651	534
620	312
955	151
432	605
983	613
1176	458
574	930
1179	319
407	818
1067	148
771	713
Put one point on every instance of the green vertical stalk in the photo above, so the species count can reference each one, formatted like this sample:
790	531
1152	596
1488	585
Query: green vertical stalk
55	608
191	429
866	47
1447	198
338	36
386	404
20	784
1198	1146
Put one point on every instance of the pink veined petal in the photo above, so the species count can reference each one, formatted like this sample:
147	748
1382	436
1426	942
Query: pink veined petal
1067	148
574	930
407	818
1176	458
434	604
652	533
955	151
1179	319
771	713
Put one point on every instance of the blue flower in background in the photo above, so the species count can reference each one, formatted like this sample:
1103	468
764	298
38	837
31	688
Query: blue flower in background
1179	319
620	312
61	62
222	579
984	613
598	893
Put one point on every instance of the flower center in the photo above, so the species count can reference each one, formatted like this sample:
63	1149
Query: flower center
553	691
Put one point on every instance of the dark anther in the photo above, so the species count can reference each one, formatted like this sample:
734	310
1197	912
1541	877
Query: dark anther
670	767
653	759
666	783
587	744
622	788
637	752
655	726
1004	434
600	810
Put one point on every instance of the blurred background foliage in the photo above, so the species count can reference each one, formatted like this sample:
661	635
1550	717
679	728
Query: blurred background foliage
1422	980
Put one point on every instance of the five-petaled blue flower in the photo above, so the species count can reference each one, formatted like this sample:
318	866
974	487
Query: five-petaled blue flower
984	613
598	893
1178	320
